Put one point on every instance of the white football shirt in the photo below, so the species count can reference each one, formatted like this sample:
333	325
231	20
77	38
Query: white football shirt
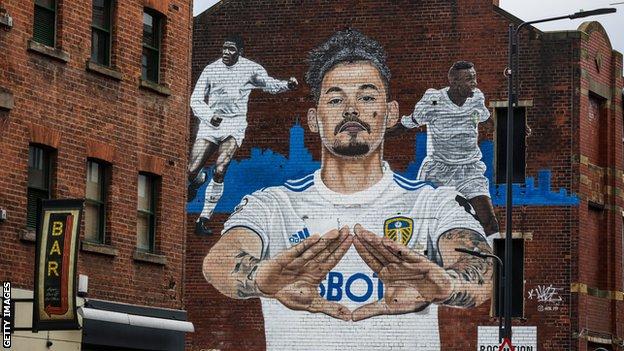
452	131
228	87
284	215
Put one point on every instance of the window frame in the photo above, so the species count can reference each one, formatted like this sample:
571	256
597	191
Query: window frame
109	32
151	232
602	129
104	175
159	18
54	27
47	160
501	174
518	312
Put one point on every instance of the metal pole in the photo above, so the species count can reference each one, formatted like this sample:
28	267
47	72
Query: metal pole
511	98
511	103
501	331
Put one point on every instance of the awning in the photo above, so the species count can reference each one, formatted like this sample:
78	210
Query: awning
113	325
135	320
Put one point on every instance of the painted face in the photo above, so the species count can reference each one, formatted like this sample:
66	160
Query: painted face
352	112
464	81
230	53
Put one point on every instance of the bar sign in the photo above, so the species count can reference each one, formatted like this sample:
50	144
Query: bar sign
54	305
55	296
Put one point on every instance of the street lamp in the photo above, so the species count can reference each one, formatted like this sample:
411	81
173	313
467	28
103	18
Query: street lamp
511	103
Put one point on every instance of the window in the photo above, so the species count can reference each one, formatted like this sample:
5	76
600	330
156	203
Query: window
95	201
39	182
152	35
146	216
517	292
44	24
593	346
519	142
101	24
596	133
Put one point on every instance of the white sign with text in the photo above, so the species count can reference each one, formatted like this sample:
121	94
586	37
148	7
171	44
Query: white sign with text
523	338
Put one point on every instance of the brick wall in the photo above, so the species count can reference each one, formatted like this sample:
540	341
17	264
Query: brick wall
422	39
82	113
601	162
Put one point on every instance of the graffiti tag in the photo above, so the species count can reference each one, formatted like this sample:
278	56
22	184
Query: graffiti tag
547	296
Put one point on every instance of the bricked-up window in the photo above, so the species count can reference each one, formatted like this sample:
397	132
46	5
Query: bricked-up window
44	24
39	181
95	201
152	37
517	292
101	24
597	130
146	212
519	148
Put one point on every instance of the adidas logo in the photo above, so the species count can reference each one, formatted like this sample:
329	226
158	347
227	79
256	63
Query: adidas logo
299	236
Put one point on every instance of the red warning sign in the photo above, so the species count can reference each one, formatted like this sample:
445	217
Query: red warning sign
506	345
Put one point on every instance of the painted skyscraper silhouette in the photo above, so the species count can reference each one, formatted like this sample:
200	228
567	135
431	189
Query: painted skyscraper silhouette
266	168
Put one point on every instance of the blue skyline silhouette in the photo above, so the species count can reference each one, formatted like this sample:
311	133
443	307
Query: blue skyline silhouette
265	168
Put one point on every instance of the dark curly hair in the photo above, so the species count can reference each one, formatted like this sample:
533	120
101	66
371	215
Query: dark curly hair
460	65
348	45
236	39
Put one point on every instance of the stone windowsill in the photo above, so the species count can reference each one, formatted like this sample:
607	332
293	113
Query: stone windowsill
49	51
7	101
155	87
98	248
28	235
103	70
148	257
514	235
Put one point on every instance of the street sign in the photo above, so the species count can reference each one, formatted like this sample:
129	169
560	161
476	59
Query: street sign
505	345
524	338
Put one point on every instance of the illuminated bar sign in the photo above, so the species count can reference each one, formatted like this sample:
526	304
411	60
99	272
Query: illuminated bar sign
55	269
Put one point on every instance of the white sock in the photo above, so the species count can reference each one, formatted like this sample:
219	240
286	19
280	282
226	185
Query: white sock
214	191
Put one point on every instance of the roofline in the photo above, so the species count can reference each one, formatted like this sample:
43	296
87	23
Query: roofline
595	26
516	20
501	11
565	34
213	8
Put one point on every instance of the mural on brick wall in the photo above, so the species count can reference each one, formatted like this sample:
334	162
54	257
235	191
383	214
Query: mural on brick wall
219	101
351	256
452	116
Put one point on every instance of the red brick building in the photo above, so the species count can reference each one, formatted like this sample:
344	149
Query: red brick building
568	201
94	105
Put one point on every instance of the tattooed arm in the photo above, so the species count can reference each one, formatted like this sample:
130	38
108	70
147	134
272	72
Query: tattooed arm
470	276
412	281
234	266
232	263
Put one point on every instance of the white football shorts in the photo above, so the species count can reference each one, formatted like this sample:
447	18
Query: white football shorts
234	127
469	179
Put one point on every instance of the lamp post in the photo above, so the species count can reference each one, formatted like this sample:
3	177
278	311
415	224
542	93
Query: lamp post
512	95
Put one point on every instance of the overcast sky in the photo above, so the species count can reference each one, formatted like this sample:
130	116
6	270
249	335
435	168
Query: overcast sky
536	9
